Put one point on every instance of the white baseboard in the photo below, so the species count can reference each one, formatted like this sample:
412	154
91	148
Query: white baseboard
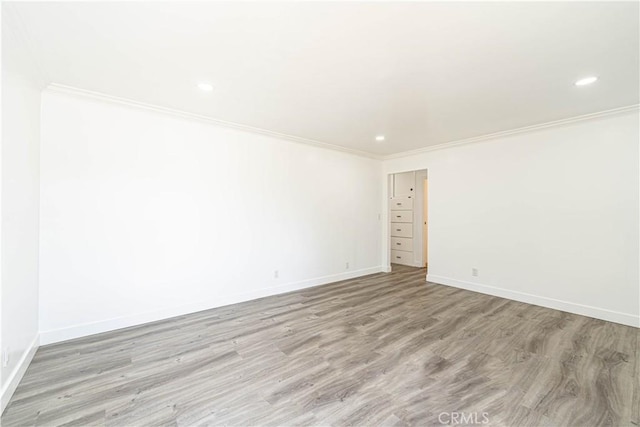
14	377
570	307
82	330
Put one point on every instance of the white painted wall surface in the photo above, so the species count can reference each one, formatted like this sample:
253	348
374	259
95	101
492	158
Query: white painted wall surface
548	217
20	191
146	215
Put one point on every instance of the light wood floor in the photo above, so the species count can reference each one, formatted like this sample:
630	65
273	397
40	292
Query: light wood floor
386	349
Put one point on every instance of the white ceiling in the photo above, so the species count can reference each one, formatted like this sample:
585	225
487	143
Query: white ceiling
344	72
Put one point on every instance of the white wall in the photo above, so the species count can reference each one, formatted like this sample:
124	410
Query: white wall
146	215
20	188
548	217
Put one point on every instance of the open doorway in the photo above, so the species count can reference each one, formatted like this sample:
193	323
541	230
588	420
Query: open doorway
408	218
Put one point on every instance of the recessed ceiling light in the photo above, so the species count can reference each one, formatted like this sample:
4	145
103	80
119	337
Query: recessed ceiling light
586	81
207	87
380	138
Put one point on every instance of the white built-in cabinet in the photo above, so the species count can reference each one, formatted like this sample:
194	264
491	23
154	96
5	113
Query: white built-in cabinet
401	217
404	184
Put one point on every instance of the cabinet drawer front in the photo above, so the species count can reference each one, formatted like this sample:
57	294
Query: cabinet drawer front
401	203
401	216
401	244
402	257
401	229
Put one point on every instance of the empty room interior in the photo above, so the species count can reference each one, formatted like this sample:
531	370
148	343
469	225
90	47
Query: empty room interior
340	213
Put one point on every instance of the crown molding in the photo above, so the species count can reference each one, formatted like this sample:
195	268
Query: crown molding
56	87
517	131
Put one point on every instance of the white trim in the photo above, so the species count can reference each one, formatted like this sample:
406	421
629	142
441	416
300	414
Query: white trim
16	376
55	87
526	129
82	330
570	307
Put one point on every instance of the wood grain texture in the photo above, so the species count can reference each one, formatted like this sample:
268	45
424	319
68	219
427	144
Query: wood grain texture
386	349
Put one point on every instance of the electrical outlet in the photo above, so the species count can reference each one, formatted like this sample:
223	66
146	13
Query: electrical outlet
276	274
5	357
346	265
474	272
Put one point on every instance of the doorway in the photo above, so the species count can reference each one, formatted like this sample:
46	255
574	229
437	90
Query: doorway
408	221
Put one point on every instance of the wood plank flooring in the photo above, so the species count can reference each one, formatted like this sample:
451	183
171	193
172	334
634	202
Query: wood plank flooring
386	349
